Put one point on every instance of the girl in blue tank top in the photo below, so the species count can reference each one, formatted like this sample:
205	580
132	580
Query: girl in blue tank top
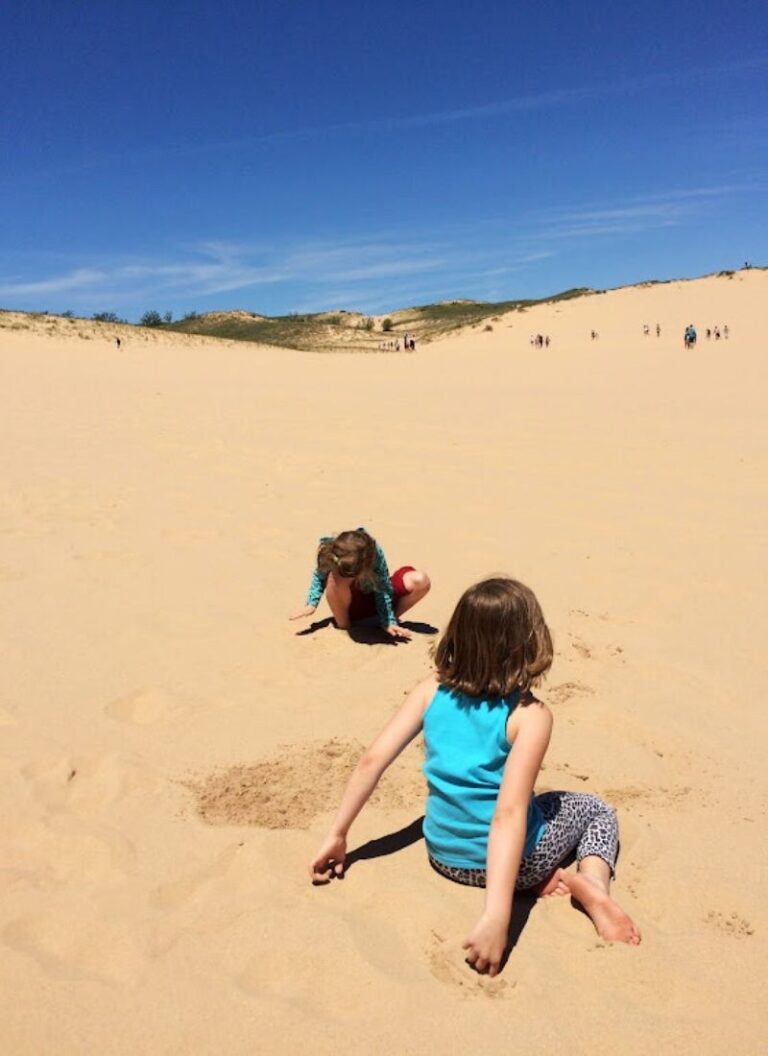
485	738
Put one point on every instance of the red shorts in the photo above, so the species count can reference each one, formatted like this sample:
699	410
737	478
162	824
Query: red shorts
364	605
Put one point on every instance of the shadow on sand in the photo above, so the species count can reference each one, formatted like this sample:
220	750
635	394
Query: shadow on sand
390	844
367	632
398	841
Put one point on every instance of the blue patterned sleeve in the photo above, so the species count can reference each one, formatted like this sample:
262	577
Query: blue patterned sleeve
316	588
384	607
317	583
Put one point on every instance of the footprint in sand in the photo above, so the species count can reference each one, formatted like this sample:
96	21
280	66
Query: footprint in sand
67	850
71	946
588	652
86	785
286	974
179	892
447	962
729	924
581	648
642	794
566	691
566	768
149	706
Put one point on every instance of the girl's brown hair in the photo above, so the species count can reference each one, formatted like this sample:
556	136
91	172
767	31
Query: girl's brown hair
351	555
496	641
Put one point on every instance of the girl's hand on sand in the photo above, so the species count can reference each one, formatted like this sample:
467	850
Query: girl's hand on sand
306	611
486	945
329	860
396	631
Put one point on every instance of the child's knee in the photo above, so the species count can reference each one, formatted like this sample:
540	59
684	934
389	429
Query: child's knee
417	582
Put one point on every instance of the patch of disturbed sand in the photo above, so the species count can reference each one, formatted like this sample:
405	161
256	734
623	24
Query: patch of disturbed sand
291	788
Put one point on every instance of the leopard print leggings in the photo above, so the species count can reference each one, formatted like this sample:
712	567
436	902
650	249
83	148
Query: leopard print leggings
575	821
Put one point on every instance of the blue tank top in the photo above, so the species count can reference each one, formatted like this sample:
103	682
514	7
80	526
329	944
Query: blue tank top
466	749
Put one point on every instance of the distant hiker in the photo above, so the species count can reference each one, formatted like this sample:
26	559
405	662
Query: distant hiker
658	330
717	333
546	340
725	331
646	330
690	336
413	344
117	343
709	333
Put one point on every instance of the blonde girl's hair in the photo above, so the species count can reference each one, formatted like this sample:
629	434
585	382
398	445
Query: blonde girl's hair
351	555
496	641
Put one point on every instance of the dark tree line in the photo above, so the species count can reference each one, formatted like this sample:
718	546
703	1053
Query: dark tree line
155	319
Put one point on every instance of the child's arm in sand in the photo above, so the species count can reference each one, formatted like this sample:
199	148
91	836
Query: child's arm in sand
385	609
530	733
315	592
399	732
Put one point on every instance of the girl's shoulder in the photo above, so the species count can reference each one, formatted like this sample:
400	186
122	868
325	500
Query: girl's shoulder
419	698
428	688
528	712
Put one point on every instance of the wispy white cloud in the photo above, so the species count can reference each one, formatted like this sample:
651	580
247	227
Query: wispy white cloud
547	100
74	281
217	268
643	212
551	99
373	274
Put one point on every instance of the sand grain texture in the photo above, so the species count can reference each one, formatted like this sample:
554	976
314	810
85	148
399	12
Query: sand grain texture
159	509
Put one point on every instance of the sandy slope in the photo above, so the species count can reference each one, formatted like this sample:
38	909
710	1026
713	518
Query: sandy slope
160	506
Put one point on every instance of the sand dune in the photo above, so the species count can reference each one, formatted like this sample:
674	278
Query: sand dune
172	750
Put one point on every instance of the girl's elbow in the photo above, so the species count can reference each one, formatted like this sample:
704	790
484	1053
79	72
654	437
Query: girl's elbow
370	762
514	813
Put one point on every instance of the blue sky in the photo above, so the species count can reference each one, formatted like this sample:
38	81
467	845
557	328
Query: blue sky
280	157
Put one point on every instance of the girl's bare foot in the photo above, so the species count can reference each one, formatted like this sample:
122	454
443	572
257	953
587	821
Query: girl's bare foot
610	920
553	885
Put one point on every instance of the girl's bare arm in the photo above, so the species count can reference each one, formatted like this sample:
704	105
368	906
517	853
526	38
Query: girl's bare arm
506	838
396	735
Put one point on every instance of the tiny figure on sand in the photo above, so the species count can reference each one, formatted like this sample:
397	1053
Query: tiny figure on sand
485	737
352	572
